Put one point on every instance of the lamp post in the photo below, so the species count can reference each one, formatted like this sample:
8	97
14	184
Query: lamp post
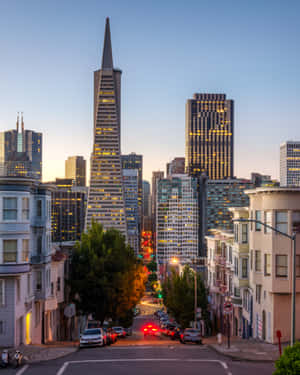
293	301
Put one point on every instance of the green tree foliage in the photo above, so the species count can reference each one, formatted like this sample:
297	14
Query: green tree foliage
178	296
289	362
106	278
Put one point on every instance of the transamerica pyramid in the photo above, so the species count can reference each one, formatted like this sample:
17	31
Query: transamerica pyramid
106	197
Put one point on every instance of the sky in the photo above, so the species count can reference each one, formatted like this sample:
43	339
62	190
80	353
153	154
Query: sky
168	50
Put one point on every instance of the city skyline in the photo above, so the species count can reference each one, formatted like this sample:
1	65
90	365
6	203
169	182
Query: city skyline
257	68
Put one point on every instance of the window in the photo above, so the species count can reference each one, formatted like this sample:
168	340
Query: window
18	286
2	292
39	245
236	231
257	260
267	264
281	265
230	254
244	233
297	265
38	280
251	260
10	208
281	221
25	208
236	266
258	293
25	250
244	268
10	251
58	283
258	217
268	221
52	289
39	208
29	284
296	222
237	292
1	327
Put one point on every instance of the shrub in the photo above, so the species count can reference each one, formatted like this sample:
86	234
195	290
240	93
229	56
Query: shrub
289	362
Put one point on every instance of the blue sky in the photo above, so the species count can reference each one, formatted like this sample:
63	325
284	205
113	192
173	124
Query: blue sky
167	50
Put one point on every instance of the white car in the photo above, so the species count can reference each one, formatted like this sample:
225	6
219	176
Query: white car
92	337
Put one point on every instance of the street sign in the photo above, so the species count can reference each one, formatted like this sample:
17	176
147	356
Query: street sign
227	307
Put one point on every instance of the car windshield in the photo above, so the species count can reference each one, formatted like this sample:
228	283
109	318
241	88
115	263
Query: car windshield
92	332
118	328
189	330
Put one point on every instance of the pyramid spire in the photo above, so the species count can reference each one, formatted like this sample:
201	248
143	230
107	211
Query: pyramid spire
107	60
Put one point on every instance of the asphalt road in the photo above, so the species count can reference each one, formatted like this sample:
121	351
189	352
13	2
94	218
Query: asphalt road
136	355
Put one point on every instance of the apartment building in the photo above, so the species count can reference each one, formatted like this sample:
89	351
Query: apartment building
29	291
270	275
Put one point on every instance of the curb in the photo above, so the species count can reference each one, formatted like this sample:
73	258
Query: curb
52	359
239	359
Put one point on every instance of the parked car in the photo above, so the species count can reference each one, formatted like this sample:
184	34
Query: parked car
113	335
176	333
92	337
120	331
191	335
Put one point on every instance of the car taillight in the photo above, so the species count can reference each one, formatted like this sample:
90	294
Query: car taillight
173	333
154	329
145	329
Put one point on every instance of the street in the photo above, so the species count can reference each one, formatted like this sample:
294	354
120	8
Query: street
136	355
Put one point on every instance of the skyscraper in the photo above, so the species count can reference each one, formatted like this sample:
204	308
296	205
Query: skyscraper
134	161
21	152
177	219
130	183
68	210
106	195
209	136
75	168
176	166
156	176
146	199
290	164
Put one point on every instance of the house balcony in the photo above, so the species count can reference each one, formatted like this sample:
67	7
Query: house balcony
14	269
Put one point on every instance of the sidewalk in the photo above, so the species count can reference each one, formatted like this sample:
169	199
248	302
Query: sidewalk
38	353
244	349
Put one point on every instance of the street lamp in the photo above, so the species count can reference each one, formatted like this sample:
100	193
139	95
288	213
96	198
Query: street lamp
293	238
174	260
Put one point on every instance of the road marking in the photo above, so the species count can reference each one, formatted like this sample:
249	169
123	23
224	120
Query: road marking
23	369
134	346
66	364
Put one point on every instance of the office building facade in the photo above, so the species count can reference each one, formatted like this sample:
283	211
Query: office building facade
21	152
134	161
221	196
290	164
176	166
130	183
68	210
75	168
209	146
106	195
177	219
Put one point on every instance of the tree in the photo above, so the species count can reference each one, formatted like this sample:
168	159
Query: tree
106	278
289	362
178	296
